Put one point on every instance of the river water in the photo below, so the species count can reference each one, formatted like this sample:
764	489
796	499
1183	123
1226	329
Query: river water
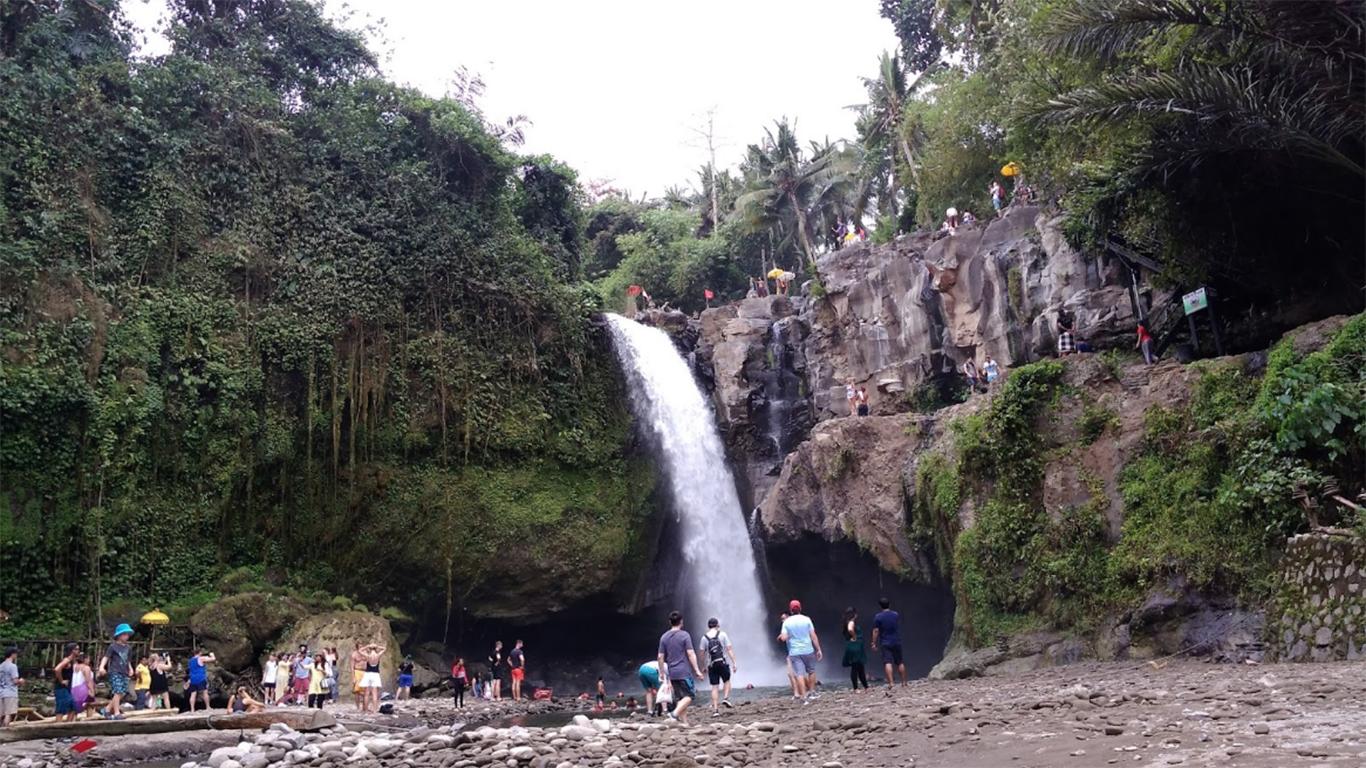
721	576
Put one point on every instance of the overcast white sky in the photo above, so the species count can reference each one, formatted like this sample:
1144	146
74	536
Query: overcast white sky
613	86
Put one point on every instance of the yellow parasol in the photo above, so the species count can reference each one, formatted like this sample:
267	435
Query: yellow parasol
1011	168
154	618
776	273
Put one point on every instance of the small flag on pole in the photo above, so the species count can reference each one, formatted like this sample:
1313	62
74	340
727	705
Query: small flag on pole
708	294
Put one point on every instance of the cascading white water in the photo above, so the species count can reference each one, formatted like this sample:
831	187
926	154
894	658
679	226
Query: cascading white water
722	578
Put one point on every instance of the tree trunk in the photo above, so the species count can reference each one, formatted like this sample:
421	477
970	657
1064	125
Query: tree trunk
910	162
802	234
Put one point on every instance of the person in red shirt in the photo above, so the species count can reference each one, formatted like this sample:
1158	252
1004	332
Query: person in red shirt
1145	342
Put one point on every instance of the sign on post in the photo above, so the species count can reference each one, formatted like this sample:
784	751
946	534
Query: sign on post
1195	301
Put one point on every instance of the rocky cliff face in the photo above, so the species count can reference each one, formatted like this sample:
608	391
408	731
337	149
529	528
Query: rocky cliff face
889	318
895	315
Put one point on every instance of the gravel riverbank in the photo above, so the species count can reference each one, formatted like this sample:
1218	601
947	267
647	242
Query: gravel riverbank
1083	715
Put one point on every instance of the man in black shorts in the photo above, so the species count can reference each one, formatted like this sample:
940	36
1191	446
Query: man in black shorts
721	662
887	638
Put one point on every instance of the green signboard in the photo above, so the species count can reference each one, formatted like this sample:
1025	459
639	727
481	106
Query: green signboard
1195	301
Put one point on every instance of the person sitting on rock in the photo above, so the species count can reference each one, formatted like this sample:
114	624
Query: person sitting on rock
241	701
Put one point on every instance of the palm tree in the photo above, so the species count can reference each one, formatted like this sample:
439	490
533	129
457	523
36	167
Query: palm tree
788	189
881	120
1257	75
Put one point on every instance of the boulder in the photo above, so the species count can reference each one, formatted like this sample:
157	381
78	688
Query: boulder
239	627
345	630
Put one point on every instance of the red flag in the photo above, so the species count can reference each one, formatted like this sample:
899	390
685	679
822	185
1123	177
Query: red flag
83	746
633	290
708	294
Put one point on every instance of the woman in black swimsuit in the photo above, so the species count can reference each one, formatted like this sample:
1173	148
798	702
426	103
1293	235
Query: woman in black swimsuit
159	694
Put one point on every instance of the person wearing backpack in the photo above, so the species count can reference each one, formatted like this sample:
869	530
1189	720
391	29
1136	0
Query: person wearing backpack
721	662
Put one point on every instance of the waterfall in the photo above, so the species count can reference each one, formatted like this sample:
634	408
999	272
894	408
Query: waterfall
722	577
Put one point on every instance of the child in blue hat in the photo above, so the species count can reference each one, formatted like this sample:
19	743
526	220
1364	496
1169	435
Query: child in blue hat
118	663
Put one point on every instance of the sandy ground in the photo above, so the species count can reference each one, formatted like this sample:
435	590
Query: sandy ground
1130	714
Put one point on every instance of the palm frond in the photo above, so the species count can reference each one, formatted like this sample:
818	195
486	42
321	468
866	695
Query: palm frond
1299	111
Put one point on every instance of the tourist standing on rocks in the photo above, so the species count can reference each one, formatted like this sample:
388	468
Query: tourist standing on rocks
82	683
118	664
332	658
161	684
284	692
855	655
370	682
970	371
317	681
803	650
1145	342
459	676
851	394
998	196
405	679
142	684
991	370
678	657
791	678
496	671
303	672
61	684
863	401
650	681
268	677
9	686
721	662
887	638
357	671
198	684
601	699
517	666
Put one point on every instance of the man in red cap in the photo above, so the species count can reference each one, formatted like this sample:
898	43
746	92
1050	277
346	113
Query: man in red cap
803	650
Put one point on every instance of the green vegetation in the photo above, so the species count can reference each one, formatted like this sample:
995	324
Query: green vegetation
262	308
1095	421
1211	494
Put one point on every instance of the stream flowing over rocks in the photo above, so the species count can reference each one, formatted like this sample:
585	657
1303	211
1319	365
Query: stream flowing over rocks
1129	714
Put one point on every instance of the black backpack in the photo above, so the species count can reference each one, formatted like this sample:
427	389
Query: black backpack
715	651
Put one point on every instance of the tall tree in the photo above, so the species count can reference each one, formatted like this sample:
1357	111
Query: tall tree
790	189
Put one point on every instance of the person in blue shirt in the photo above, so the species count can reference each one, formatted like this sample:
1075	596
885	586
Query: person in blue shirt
803	650
887	637
649	680
199	677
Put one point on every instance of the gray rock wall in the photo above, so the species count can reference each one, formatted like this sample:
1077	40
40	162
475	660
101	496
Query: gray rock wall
1320	609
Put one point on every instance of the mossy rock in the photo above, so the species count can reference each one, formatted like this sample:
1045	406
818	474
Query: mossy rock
239	627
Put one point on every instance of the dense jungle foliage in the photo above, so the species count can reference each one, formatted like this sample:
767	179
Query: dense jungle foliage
262	308
1217	485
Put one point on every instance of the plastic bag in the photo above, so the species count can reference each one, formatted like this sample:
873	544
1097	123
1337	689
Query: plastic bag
666	693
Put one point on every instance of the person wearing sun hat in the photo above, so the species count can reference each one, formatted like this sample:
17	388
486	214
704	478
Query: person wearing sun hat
118	664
